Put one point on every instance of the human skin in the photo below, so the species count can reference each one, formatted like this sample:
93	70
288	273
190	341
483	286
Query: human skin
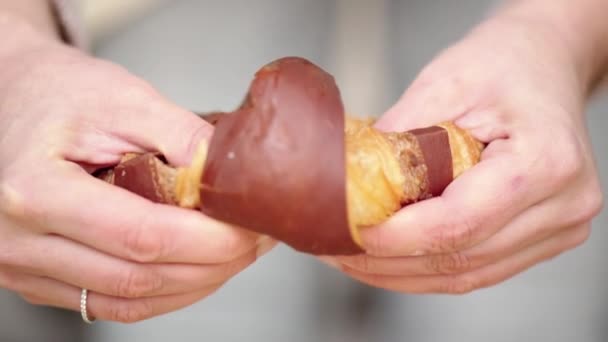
519	82
64	114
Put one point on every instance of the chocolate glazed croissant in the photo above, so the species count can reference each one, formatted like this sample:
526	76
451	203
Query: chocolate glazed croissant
288	163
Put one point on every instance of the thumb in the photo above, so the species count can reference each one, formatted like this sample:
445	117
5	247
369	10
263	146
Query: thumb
182	139
426	103
164	127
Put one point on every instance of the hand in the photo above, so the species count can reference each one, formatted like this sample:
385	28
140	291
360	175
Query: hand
62	116
534	192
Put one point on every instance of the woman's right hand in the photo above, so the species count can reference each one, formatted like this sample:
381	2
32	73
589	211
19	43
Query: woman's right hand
63	115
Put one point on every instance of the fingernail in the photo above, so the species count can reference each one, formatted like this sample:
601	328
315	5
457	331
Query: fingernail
265	244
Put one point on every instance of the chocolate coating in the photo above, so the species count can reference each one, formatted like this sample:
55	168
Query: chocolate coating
277	165
435	146
147	176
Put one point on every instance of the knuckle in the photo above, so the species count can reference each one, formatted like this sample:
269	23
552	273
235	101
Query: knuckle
23	198
450	237
8	280
593	203
131	311
138	282
588	205
136	89
376	242
581	236
233	244
367	264
143	245
12	200
5	254
449	263
238	265
230	244
32	300
457	285
229	269
359	262
568	161
568	171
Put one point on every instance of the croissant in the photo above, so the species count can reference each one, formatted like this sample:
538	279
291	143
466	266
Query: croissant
289	163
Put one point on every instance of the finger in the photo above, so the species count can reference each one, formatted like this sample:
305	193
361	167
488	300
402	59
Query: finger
135	310
473	208
75	205
527	229
437	94
49	292
34	288
78	265
265	244
483	277
424	105
574	206
145	118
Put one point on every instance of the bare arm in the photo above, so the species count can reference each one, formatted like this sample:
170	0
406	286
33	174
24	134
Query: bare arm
580	25
36	13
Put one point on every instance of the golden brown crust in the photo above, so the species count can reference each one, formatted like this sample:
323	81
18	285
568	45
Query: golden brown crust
466	150
387	170
374	180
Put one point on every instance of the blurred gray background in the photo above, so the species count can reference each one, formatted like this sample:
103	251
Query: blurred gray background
202	54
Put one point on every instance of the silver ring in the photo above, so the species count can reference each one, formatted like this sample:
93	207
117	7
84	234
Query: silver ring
83	307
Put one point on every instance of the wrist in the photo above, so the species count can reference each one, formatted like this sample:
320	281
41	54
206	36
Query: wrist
41	15
519	47
577	30
19	36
